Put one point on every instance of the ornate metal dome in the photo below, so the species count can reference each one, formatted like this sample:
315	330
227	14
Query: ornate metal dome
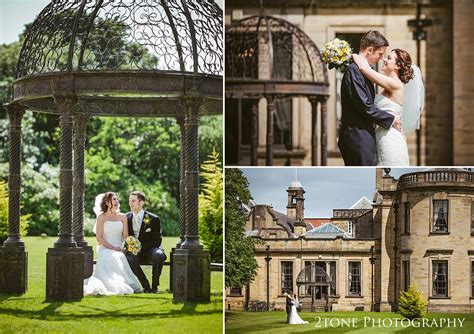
269	48
312	275
140	58
111	35
268	57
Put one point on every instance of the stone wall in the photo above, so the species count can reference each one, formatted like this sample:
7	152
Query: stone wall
300	250
421	246
463	82
438	122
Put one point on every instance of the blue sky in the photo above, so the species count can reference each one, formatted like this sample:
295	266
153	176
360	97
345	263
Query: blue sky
14	14
326	188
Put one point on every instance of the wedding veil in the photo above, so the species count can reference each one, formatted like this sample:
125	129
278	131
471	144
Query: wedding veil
97	210
413	103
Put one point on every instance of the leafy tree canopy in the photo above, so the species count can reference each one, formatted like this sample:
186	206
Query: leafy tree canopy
240	263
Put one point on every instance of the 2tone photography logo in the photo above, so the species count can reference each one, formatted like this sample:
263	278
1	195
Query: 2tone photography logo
389	322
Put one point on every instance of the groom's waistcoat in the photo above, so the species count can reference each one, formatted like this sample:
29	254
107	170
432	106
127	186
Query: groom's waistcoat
150	234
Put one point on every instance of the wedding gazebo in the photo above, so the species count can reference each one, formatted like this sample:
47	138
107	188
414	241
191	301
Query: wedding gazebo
311	280
131	58
270	58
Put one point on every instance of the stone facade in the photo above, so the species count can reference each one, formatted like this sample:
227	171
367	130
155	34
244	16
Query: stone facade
445	138
404	232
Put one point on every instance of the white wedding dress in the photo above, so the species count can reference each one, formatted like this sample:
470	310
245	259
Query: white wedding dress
294	317
112	274
392	149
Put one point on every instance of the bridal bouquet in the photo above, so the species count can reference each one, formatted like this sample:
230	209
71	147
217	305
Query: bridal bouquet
132	245
337	54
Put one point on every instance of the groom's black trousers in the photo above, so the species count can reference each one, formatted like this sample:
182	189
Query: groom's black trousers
357	146
156	256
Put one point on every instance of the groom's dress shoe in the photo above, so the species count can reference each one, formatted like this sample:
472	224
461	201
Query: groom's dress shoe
147	290
154	289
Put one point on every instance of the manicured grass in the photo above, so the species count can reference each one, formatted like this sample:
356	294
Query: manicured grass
274	322
139	313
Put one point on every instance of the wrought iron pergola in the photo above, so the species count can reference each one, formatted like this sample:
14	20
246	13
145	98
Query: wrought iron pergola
132	58
254	47
311	277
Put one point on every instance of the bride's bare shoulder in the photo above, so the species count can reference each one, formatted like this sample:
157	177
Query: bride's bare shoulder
122	216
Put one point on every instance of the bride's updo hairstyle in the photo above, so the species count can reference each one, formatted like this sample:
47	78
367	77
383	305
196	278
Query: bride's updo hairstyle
106	200
404	61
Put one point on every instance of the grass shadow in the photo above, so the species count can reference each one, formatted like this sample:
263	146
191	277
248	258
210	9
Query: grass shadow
50	313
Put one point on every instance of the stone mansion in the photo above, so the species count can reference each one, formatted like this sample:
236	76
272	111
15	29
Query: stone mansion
417	230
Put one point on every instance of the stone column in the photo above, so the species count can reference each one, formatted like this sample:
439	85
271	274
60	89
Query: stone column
182	202
463	98
80	123
387	260
191	263
324	131
13	254
65	262
314	131
270	112
254	137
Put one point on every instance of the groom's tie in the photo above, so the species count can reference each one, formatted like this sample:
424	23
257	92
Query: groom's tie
135	225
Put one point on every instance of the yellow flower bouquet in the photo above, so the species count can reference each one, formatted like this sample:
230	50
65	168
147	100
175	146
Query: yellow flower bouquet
132	245
337	54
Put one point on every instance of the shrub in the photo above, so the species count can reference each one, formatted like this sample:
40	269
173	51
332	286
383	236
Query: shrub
4	215
210	207
411	303
39	197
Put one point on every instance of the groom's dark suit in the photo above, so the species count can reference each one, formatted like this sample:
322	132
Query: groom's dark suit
357	134
288	308
150	237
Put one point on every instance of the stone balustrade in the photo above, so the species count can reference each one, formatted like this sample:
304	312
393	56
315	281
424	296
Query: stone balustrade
437	178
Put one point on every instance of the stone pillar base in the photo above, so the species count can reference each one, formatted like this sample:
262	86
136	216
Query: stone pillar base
64	273
192	276
386	307
172	268
13	270
88	261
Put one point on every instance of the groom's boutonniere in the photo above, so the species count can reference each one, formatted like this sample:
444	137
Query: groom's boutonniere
146	220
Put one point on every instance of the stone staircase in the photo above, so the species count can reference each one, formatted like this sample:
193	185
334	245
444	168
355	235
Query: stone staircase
319	305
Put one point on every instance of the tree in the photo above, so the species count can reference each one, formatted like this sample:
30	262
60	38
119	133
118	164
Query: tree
122	154
127	154
240	263
39	197
4	215
411	303
210	207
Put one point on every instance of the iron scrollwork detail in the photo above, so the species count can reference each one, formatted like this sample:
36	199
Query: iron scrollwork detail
146	35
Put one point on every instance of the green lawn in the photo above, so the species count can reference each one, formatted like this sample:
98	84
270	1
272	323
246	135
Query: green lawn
142	313
274	322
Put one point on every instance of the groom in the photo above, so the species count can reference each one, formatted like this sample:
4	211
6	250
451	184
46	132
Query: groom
288	306
359	115
146	227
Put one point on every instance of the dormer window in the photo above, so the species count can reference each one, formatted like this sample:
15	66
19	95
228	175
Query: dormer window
351	228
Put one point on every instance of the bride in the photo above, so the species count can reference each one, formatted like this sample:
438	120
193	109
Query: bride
398	98
112	274
294	318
